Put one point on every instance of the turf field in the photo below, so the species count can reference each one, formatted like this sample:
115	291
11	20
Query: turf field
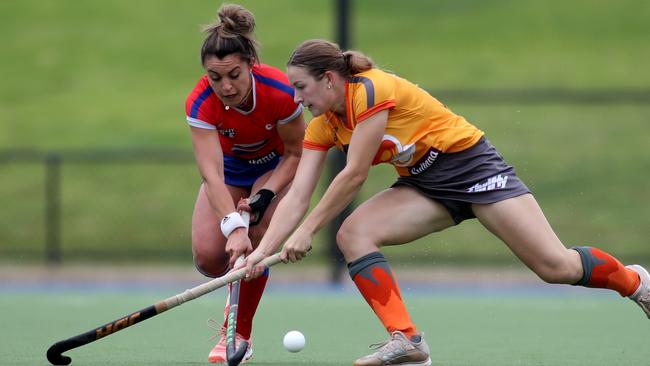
465	325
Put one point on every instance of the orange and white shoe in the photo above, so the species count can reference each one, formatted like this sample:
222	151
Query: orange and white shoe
218	353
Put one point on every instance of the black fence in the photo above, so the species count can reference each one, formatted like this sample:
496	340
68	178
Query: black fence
53	160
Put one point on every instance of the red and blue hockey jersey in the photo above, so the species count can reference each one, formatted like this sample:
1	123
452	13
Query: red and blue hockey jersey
247	135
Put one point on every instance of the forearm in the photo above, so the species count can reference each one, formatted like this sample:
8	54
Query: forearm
292	134
209	159
218	196
287	216
295	203
339	194
362	148
283	174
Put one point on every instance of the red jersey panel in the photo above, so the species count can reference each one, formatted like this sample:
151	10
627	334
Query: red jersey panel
248	135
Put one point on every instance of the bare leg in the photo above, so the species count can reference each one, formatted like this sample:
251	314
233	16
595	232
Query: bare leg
395	216
208	243
520	223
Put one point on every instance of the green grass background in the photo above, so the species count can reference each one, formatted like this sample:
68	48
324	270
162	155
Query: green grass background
115	74
462	328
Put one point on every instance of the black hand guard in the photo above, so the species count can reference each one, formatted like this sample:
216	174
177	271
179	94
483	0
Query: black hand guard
258	203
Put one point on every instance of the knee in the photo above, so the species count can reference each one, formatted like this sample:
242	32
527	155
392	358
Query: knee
345	236
354	240
210	265
551	275
559	271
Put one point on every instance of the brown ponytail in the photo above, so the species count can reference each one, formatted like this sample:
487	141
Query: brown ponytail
318	56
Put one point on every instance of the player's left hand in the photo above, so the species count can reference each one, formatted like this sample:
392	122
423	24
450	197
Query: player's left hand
258	204
297	246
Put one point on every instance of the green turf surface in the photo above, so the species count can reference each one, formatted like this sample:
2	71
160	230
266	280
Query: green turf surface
536	327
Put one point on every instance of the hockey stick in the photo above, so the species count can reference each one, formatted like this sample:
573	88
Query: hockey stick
55	352
234	353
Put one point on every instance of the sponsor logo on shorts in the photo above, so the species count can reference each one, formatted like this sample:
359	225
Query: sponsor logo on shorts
496	182
264	159
425	162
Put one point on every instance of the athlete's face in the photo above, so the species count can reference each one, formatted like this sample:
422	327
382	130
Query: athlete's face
314	93
230	78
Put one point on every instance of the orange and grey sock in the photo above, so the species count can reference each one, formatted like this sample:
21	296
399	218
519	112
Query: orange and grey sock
250	294
601	270
374	279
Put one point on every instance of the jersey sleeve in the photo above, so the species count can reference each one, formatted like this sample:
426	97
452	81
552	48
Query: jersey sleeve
199	107
318	135
285	108
373	93
296	112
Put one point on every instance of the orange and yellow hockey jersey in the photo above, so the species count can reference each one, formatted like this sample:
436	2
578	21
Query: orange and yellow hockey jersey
419	127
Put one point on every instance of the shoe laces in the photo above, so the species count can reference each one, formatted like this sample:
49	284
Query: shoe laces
643	299
379	345
645	296
396	343
644	287
645	292
218	328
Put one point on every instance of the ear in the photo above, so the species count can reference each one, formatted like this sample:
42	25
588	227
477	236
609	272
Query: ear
329	76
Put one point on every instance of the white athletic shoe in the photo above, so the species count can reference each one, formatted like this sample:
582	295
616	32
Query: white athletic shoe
642	295
398	351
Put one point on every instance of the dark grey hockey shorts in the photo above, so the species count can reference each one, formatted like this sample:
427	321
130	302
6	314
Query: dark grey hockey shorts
476	175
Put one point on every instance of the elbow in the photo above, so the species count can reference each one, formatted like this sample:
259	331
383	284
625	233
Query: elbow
300	198
359	179
210	179
295	153
356	177
293	157
292	160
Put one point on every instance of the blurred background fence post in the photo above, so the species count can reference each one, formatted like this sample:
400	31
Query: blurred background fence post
52	217
337	158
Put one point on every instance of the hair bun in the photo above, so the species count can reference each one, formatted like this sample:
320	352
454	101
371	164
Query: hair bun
236	19
231	33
